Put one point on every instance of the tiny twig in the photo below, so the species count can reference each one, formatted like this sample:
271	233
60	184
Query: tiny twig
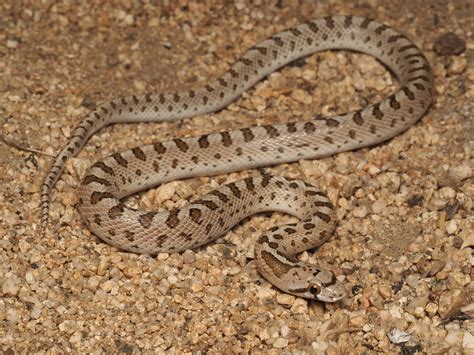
341	331
18	146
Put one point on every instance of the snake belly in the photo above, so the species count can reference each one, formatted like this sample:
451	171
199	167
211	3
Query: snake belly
204	220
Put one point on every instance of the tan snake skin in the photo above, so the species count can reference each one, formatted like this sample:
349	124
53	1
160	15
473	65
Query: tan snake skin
204	220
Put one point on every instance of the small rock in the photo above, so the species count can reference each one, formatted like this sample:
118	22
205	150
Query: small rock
285	299
88	102
415	200
398	336
103	265
10	287
189	257
447	192
172	279
451	226
469	310
378	206
360	212
451	209
454	337
358	321
319	346
280	343
458	65
385	291
300	306
235	270
461	172
165	191
36	312
451	302
68	326
418	302
93	282
434	268
300	96
412	280
449	44
285	331
12	315
431	309
12	43
468	341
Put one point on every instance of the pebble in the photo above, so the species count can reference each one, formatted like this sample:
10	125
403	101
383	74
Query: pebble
468	309
378	206
449	44
320	347
360	211
451	302
461	172
165	192
235	270
468	341
451	226
189	256
358	321
12	43
431	309
10	287
285	299
280	343
454	337
458	65
398	336
300	306
412	280
12	315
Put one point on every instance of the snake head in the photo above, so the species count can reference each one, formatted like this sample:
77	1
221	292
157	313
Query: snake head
317	284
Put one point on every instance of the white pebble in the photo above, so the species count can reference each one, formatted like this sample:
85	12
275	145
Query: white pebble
451	226
172	279
12	43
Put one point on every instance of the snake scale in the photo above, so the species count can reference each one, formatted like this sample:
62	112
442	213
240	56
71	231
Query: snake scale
121	174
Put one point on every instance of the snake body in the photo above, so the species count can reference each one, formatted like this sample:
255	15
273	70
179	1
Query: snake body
204	220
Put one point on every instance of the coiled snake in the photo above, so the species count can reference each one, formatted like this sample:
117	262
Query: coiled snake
204	220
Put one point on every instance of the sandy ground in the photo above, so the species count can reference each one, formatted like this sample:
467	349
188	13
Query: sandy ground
404	243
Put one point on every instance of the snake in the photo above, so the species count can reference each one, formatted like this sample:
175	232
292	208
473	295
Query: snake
108	181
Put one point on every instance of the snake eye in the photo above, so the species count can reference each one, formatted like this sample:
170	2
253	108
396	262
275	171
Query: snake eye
315	289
